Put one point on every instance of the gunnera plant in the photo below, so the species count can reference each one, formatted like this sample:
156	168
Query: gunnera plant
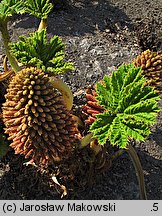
129	108
36	113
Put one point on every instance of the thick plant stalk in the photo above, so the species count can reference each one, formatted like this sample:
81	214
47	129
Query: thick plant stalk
5	64
42	25
6	40
94	145
64	90
7	73
86	140
139	172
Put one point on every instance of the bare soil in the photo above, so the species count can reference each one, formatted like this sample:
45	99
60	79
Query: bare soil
99	36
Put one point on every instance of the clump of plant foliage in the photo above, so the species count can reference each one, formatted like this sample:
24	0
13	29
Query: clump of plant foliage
130	107
33	50
36	51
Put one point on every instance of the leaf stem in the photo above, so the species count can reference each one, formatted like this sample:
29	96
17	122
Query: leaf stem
5	75
6	41
42	25
64	90
5	64
95	146
139	171
85	140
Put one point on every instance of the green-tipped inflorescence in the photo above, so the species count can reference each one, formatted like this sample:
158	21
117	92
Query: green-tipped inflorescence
130	107
151	63
36	51
36	118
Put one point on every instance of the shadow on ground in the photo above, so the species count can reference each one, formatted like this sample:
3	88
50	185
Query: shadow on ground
83	17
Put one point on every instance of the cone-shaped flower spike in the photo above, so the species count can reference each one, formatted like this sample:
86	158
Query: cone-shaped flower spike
151	63
36	118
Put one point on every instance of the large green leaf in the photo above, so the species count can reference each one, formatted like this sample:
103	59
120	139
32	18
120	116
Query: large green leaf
116	136
130	107
36	51
10	7
101	126
38	8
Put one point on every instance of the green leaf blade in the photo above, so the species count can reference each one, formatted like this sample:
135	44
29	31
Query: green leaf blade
117	134
101	127
38	8
37	51
129	103
10	7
